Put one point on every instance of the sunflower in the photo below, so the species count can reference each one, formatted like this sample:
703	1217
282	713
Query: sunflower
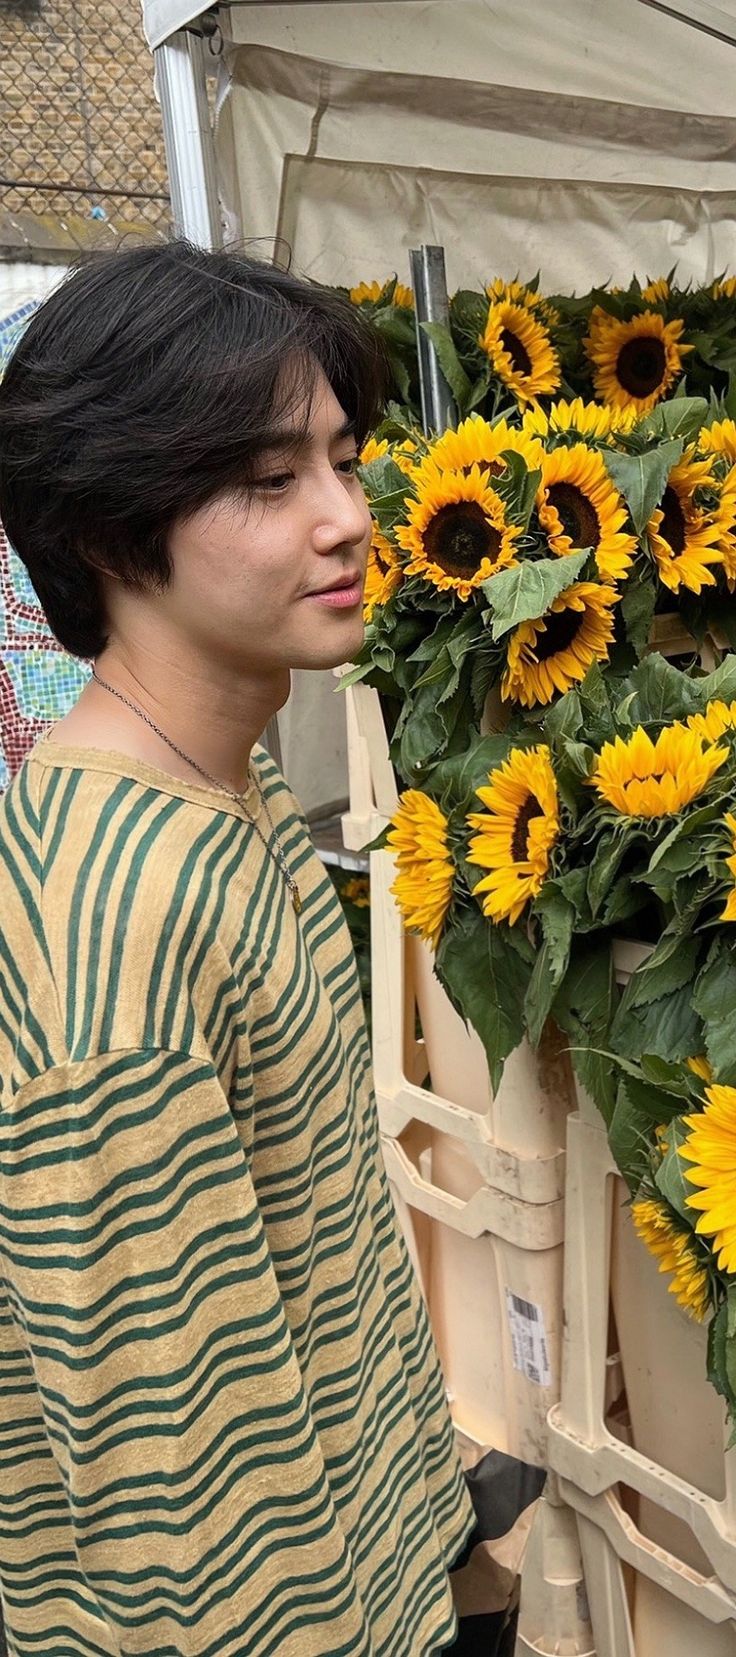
726	516
718	439
725	289
555	652
685	541
517	293
635	362
476	443
358	891
373	450
516	833
676	1252
521	351
711	1147
457	532
578	506
579	419
403	456
423	885
719	717
729	913
371	293
656	292
700	1067
641	778
383	575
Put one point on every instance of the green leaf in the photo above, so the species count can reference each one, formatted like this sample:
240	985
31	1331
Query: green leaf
675	969
714	998
642	479
487	979
670	1176
455	780
661	693
637	610
449	362
668	1026
382	479
353	676
607	857
517	487
527	591
719	686
680	417
686	827
557	914
627	1138
564	718
717	1371
583	1007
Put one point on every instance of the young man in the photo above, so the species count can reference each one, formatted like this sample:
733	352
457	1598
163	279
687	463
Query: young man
222	1423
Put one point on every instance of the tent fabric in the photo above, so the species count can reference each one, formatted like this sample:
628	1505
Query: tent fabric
162	17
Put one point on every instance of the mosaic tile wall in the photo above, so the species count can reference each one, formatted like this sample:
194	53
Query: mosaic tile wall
39	682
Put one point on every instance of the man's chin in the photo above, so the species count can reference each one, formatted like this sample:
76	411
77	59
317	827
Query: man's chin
331	653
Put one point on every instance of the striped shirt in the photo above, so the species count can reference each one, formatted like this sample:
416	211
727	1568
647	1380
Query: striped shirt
223	1430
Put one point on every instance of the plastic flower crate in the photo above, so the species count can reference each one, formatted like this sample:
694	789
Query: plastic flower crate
655	1495
490	1268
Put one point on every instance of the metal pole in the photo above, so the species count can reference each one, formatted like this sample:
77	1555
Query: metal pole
190	149
431	305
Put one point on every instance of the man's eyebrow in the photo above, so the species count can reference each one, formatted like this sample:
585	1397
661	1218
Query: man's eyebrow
292	438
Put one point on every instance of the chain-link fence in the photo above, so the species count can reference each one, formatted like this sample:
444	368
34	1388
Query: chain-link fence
80	129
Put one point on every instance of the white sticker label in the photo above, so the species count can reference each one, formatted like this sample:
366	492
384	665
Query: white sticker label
528	1339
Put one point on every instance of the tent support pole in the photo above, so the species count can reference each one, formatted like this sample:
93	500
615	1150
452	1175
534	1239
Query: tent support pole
190	150
431	305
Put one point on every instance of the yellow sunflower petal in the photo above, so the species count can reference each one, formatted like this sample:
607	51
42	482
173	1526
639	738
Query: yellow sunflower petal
457	534
423	885
711	1148
636	362
641	778
579	507
521	351
516	833
549	655
384	573
676	1252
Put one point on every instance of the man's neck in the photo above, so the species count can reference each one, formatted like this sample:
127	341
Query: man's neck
214	725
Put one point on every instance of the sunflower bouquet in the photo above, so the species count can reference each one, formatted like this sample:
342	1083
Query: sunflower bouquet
521	860
507	558
508	347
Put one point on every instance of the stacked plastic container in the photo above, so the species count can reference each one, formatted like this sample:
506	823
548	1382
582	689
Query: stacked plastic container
478	1180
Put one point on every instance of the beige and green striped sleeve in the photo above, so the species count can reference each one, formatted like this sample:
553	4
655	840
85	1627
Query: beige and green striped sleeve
175	1495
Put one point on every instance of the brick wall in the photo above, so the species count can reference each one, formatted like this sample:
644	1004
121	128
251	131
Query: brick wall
79	124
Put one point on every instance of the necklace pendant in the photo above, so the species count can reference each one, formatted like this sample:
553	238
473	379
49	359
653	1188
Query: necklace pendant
296	901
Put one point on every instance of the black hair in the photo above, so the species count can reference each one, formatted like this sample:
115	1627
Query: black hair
146	385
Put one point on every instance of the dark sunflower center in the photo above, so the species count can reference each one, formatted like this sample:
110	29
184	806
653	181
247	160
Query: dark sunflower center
559	631
520	358
640	365
672	527
520	841
459	537
576	513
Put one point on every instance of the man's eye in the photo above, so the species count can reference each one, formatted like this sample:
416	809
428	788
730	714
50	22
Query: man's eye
278	481
349	467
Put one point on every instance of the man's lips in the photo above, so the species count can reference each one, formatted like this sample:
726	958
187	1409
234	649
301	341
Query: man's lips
349	578
344	594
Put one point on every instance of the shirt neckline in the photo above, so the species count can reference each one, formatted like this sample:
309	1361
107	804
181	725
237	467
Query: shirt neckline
116	763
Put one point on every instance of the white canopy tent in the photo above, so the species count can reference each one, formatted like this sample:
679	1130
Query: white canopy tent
580	138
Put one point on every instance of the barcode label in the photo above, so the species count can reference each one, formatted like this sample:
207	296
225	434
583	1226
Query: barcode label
528	1339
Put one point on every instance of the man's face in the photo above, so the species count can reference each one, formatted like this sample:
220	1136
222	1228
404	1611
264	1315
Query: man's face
260	578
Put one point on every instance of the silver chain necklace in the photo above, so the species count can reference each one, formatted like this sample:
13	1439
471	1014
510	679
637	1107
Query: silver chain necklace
275	851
